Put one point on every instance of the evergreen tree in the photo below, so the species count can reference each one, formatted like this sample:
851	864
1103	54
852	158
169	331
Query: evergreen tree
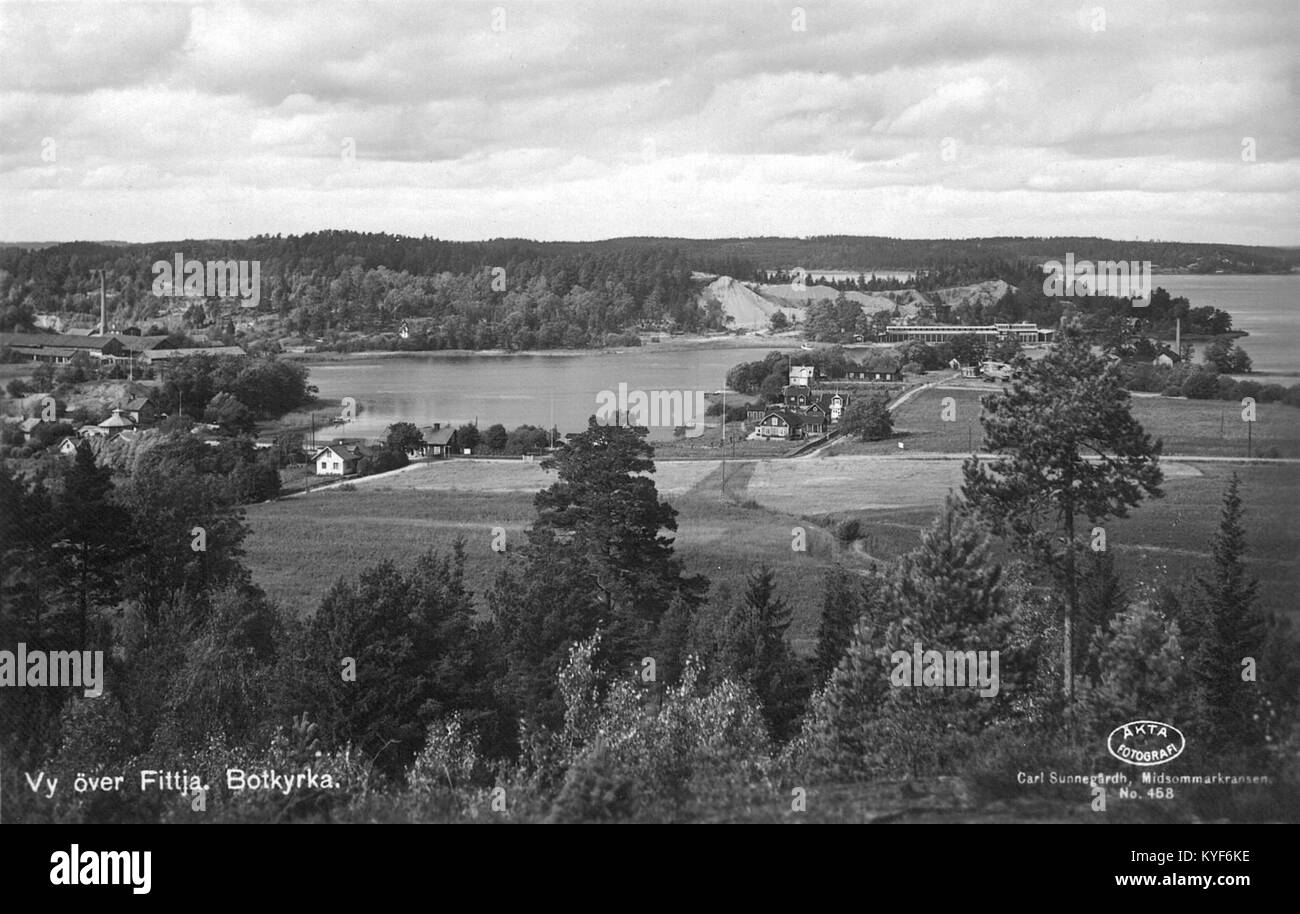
1068	446
843	602
756	652
95	535
598	557
1101	597
1141	673
947	595
1231	629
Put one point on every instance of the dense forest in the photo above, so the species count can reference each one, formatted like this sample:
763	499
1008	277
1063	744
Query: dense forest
520	294
503	293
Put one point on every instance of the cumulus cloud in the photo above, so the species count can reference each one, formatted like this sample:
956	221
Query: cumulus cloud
585	119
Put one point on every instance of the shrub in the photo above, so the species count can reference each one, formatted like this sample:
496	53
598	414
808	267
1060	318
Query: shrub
848	531
1201	385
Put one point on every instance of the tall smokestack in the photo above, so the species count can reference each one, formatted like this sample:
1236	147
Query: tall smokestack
103	311
1178	335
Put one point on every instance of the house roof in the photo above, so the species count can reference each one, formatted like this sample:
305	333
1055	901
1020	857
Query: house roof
440	436
59	351
346	452
137	343
45	340
117	420
790	418
138	403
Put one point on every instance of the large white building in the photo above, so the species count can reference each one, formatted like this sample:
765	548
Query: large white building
1024	331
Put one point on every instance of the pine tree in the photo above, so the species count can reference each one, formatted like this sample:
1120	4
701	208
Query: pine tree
1231	629
843	602
597	558
948	595
95	536
1101	597
1068	446
759	653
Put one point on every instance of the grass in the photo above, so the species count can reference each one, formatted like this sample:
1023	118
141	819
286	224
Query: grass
298	547
1189	428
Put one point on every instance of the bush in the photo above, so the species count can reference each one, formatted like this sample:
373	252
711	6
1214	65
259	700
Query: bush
1201	385
1249	389
848	531
1270	393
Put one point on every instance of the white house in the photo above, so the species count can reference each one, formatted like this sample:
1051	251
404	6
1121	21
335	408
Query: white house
335	460
1167	358
802	375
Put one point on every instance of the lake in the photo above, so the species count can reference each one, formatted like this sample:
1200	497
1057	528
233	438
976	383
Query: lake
531	388
1266	307
517	389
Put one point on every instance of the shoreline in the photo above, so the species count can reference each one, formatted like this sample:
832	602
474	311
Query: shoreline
675	344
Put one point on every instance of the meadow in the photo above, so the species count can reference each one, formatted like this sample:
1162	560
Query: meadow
299	546
1204	428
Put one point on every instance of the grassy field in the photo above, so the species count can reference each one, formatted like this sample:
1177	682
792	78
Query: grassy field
299	546
1208	428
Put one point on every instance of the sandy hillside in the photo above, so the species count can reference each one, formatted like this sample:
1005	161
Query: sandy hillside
906	301
748	309
984	294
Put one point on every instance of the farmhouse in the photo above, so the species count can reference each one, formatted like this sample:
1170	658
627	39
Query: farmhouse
815	421
336	460
781	423
142	411
802	375
797	396
1167	358
438	441
877	366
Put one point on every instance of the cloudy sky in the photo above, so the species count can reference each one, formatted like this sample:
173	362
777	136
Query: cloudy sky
561	120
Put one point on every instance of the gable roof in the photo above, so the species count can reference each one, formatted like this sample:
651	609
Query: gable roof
440	436
138	403
790	418
346	452
62	340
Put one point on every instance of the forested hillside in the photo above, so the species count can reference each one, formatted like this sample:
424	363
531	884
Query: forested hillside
521	294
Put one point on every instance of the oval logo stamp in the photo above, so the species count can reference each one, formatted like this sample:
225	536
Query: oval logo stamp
1146	742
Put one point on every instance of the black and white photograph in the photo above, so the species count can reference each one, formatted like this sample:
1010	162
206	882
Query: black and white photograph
668	412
